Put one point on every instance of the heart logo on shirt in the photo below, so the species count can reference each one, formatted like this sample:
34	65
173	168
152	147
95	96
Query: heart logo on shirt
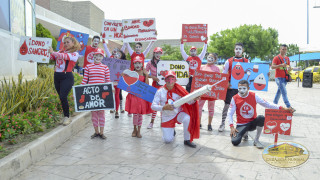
148	23
130	77
285	126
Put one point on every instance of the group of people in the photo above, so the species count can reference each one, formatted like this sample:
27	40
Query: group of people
189	114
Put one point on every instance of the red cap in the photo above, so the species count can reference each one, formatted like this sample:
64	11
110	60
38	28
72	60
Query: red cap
99	51
137	59
158	49
193	47
170	73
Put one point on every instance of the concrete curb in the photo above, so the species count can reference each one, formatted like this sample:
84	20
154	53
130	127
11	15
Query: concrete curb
21	159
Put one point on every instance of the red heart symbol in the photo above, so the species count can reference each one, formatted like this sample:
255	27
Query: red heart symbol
148	23
271	124
105	94
82	99
130	77
163	73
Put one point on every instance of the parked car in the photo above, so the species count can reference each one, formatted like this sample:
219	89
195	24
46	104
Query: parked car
311	69
295	72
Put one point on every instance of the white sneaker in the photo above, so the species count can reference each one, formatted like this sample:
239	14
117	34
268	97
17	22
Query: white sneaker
66	121
150	126
129	115
258	144
221	128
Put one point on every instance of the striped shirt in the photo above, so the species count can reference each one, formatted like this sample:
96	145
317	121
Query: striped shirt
96	73
151	68
65	61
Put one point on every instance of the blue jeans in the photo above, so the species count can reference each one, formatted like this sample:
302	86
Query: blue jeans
281	82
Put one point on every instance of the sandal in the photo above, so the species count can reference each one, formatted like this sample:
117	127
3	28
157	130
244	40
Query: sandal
102	136
94	135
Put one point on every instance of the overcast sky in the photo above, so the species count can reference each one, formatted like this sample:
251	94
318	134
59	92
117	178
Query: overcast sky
289	17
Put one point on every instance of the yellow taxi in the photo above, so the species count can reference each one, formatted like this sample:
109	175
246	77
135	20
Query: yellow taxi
295	72
311	69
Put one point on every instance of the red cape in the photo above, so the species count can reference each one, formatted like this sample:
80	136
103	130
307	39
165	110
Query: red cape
192	110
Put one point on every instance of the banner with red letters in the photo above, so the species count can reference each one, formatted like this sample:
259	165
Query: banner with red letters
277	122
202	78
35	49
194	32
138	30
111	29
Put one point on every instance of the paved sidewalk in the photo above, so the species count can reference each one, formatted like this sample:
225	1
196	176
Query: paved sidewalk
124	157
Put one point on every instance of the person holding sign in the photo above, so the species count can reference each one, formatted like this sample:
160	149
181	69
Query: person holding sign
282	65
136	105
244	104
115	53
152	67
65	60
210	67
137	52
187	114
238	50
193	60
90	50
97	73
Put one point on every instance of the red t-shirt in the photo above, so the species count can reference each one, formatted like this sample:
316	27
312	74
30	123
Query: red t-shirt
281	72
246	108
88	55
233	59
194	64
134	54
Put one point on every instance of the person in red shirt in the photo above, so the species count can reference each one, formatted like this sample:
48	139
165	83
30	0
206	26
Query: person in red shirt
90	50
281	63
97	73
244	104
238	50
193	60
63	77
138	52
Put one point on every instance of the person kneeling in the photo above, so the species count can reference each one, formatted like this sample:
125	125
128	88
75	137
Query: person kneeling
186	114
244	104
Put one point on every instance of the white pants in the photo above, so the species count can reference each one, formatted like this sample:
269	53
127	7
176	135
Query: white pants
168	133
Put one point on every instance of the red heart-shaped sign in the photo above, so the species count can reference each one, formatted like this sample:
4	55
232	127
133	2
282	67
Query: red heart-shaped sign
130	77
148	23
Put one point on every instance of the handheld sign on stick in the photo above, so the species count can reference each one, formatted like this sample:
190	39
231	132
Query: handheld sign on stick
196	94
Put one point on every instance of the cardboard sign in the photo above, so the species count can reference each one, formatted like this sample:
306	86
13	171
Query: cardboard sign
181	68
82	38
137	30
35	49
111	29
130	83
194	32
202	78
116	67
93	97
255	74
277	122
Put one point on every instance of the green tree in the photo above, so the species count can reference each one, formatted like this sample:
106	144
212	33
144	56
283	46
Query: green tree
43	32
293	49
173	53
258	42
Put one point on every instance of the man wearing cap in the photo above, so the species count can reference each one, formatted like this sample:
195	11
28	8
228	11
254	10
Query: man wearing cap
193	60
186	114
238	50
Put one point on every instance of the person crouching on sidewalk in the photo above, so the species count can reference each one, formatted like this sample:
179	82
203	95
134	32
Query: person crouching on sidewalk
244	104
187	114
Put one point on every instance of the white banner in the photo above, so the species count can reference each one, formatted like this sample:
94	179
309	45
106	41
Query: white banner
137	30
35	49
181	68
111	29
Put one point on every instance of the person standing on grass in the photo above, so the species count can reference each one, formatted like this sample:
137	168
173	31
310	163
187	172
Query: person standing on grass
97	73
